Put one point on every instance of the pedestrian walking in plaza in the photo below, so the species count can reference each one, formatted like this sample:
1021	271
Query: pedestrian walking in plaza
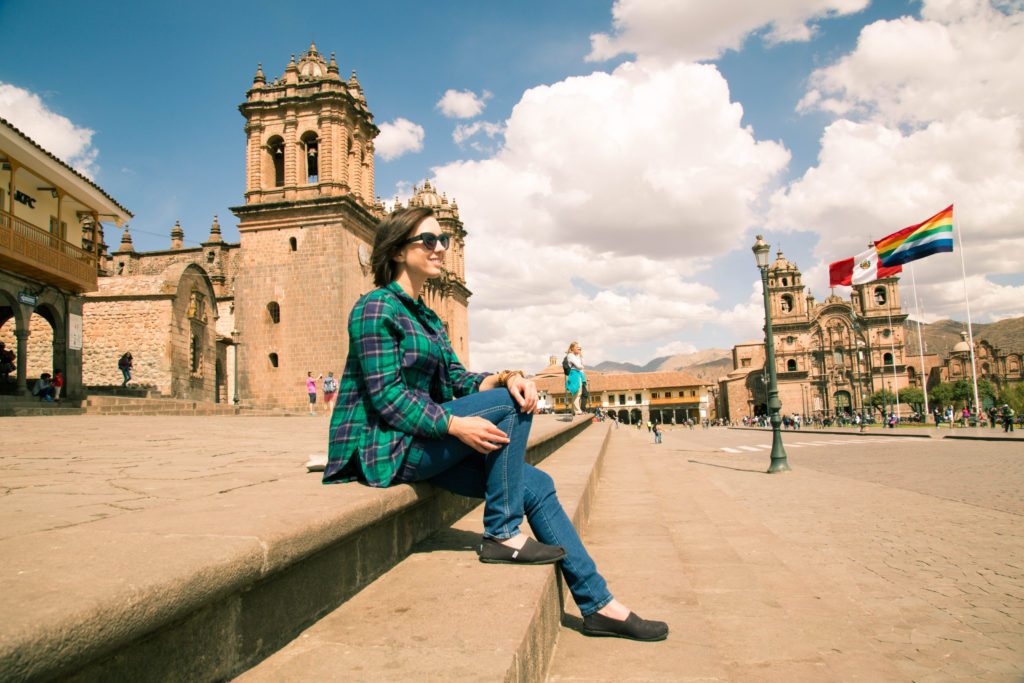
576	378
330	392
1008	415
409	411
311	391
124	364
657	433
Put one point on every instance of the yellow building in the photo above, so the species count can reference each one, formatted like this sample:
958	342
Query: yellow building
663	397
51	239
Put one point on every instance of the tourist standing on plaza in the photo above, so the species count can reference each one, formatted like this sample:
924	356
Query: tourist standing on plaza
57	383
124	364
311	391
657	433
330	392
409	411
576	378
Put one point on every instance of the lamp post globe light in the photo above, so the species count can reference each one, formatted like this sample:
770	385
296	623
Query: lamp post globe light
780	463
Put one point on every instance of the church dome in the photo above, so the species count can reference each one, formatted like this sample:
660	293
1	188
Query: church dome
962	346
312	65
426	196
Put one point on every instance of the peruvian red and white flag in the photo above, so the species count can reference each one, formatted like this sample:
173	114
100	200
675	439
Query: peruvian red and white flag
859	270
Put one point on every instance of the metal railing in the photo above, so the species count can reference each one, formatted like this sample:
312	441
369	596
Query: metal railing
47	252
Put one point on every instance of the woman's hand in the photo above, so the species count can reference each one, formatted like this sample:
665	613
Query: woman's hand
477	433
524	392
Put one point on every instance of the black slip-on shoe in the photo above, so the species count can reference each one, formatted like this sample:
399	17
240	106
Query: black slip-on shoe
633	627
533	552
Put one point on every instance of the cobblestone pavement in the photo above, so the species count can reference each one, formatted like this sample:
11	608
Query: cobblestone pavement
901	563
68	470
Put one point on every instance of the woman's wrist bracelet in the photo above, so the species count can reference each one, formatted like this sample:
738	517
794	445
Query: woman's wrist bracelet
505	375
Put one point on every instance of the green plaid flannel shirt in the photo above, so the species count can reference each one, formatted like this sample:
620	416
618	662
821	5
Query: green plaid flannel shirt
400	369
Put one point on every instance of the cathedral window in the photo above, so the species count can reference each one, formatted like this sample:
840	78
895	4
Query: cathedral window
293	243
791	365
785	282
311	146
787	303
273	359
210	256
880	296
887	359
275	148
274	309
838	356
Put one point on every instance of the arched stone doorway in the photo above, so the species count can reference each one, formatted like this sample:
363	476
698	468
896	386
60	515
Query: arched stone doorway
842	403
623	416
635	416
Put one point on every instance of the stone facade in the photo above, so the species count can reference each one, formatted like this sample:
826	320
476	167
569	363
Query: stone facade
994	364
830	357
50	237
167	321
281	296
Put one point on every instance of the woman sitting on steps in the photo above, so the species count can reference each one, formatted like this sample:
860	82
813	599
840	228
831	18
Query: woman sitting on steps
408	411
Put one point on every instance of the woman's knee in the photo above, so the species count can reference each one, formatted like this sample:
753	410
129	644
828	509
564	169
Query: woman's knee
538	485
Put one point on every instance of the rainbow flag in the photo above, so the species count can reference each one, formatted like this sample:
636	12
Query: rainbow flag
932	236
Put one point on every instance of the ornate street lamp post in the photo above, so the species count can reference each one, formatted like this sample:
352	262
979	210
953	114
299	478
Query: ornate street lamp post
761	250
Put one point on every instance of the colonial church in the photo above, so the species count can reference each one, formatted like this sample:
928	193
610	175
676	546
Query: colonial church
245	321
831	356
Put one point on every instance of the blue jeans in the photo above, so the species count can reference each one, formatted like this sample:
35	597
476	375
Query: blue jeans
510	489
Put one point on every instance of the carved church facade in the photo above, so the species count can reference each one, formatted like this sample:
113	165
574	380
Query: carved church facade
260	313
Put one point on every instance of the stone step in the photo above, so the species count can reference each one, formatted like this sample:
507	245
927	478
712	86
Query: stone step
440	614
203	588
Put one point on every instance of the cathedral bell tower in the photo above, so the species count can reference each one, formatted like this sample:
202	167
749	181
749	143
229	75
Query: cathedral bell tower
309	135
307	226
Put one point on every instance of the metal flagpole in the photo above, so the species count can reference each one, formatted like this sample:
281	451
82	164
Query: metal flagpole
920	342
967	303
892	345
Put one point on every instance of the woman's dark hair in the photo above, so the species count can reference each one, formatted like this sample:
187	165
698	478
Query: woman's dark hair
391	236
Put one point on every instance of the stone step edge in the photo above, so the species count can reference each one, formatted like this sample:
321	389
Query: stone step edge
130	631
522	643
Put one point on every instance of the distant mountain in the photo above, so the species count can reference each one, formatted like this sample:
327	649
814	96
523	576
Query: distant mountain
708	364
941	335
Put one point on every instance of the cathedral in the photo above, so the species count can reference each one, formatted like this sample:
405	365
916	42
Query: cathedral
244	322
830	356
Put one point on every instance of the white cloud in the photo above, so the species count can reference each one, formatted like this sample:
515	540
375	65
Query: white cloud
465	131
934	114
644	160
55	133
397	138
629	181
958	58
701	30
462	104
674	348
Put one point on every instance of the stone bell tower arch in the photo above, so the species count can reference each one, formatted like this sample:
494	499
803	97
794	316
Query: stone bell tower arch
306	228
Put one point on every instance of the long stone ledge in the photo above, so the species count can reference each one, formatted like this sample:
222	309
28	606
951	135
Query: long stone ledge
439	614
203	588
977	435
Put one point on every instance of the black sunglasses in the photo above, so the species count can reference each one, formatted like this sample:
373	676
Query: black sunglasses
430	240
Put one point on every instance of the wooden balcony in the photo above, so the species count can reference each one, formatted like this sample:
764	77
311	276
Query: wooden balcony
34	252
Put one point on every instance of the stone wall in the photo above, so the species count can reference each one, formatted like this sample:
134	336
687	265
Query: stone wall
315	287
40	345
138	325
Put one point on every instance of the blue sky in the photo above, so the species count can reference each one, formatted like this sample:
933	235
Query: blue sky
620	189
